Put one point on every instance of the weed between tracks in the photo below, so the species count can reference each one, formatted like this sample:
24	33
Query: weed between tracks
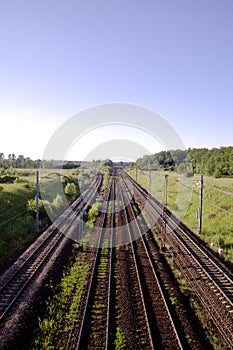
120	341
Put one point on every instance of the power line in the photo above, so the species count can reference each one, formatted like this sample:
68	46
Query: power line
13	209
14	217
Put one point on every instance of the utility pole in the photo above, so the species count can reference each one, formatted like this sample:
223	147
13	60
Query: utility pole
201	205
165	210
37	201
149	178
136	172
81	233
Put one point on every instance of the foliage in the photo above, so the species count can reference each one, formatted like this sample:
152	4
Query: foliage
57	309
120	341
105	168
18	207
215	162
7	179
17	227
22	162
93	212
70	190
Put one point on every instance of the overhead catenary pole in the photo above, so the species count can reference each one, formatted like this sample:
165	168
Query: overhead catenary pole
81	235
165	210
201	205
149	178
37	201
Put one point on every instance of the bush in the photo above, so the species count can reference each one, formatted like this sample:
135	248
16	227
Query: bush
7	179
70	190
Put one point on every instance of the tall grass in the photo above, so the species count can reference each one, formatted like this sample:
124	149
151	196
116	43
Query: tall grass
17	227
59	313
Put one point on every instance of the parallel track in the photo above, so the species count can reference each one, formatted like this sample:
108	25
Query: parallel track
15	281
100	311
90	329
210	279
93	327
162	330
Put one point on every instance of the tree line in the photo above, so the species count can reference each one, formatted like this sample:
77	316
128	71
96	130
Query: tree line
22	162
215	162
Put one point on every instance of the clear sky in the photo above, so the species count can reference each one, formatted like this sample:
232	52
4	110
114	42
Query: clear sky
58	57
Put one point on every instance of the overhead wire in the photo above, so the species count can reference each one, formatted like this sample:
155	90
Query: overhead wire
14	217
206	200
21	205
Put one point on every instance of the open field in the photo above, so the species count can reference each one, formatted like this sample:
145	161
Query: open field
183	200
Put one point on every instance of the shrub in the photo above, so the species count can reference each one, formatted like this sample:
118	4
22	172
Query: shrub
70	190
7	178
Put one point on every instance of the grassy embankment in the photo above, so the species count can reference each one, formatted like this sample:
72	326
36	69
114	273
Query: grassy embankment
17	217
217	206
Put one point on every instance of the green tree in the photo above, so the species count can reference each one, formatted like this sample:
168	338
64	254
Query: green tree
58	203
31	207
70	190
218	170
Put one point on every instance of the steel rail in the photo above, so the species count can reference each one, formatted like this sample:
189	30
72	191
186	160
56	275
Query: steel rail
51	231
81	332
29	279
83	305
37	258
142	237
137	271
202	258
219	276
107	342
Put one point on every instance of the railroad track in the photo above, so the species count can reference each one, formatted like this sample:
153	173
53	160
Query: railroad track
210	279
161	328
123	292
22	274
116	288
90	330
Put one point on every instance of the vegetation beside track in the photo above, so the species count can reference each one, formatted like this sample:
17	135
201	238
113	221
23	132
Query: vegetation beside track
17	225
17	198
217	162
217	204
17	208
58	311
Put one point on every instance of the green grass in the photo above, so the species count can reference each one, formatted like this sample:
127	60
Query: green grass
17	227
183	201
17	222
51	325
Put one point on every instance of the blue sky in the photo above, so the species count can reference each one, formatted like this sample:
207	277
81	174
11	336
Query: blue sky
59	57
